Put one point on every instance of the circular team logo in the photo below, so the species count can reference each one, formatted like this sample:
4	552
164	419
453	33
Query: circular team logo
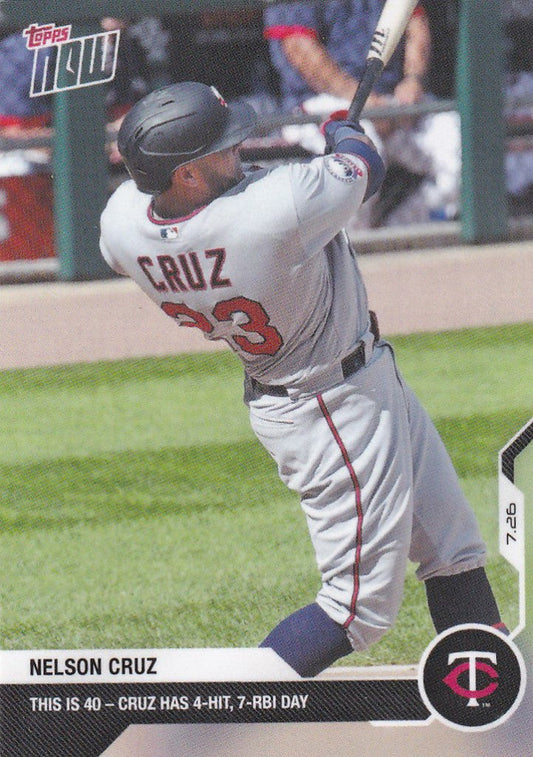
472	677
342	168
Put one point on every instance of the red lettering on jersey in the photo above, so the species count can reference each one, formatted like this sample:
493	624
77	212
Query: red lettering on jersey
219	254
144	261
171	272
267	339
258	324
186	316
185	272
195	278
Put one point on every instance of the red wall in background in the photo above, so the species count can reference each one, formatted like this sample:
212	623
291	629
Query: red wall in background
26	217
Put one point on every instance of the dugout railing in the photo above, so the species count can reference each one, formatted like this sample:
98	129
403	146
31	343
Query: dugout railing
79	163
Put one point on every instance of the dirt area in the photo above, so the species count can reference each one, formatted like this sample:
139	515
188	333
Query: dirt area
424	290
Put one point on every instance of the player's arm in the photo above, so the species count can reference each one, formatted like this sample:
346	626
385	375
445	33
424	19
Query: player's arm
347	137
416	58
314	64
329	190
304	51
109	259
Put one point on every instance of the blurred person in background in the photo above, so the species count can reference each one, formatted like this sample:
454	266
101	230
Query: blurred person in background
319	52
517	83
26	191
132	76
134	73
21	115
26	197
443	19
143	61
226	49
25	116
151	33
518	19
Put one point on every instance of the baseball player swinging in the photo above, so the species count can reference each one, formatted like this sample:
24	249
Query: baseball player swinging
259	258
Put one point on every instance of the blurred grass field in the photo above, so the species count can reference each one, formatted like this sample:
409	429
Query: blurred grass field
139	511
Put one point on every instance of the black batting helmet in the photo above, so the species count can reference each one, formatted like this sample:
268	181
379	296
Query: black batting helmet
177	124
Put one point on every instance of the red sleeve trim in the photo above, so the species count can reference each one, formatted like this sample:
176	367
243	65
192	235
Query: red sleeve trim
282	32
419	11
26	122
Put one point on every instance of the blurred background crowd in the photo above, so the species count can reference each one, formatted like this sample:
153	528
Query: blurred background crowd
301	59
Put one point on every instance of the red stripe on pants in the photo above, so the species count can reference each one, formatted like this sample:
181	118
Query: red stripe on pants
358	507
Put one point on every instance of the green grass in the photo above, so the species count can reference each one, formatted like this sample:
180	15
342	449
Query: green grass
138	510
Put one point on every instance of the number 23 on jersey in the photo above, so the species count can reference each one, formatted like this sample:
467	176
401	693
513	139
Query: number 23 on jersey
255	335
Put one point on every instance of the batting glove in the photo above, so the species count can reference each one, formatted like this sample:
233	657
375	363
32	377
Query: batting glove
343	136
330	128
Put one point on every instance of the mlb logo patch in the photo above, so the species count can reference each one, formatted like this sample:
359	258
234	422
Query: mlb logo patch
342	168
169	232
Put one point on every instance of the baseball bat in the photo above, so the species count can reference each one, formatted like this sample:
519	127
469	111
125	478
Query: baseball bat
389	29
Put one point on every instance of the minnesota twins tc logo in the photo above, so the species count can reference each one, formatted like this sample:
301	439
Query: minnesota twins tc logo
472	677
472	667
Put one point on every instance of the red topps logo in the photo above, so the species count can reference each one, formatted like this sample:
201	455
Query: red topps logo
43	36
472	666
61	62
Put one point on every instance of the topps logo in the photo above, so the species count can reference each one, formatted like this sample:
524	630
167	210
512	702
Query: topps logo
61	62
49	34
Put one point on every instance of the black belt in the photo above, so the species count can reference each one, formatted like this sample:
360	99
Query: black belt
349	365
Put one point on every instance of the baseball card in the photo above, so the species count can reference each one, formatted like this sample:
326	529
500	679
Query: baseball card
265	379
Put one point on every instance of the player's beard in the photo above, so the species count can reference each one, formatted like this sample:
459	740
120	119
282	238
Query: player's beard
225	183
222	183
223	172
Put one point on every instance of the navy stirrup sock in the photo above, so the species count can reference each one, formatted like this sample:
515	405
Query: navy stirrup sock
308	640
464	598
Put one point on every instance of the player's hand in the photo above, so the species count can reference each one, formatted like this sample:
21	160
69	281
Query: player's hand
348	136
409	91
336	117
335	130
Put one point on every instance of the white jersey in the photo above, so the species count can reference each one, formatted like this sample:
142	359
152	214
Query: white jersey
237	267
267	267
